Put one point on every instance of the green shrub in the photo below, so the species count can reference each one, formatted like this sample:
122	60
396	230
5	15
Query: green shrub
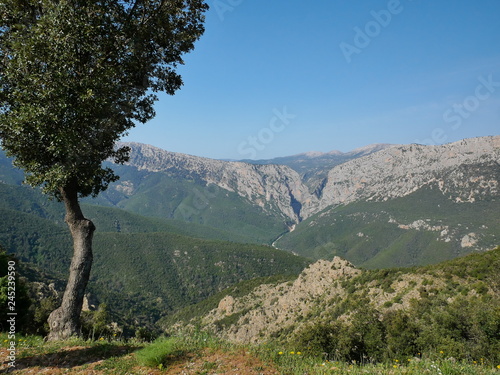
146	334
159	353
401	334
96	324
42	311
367	334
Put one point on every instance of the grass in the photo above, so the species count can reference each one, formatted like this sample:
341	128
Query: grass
113	357
298	363
109	356
166	350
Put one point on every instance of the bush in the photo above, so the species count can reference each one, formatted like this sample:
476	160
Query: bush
41	313
159	353
367	334
96	324
362	340
465	329
401	335
146	334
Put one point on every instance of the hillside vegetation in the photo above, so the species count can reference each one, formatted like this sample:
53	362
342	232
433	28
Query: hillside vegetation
422	228
144	268
452	308
378	207
438	319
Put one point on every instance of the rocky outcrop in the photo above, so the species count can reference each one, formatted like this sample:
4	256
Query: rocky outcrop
270	308
329	291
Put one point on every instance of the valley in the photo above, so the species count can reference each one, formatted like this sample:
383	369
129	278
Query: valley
177	229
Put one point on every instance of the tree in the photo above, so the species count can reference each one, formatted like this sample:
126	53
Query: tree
75	75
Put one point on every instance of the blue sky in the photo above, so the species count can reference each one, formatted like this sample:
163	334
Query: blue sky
276	78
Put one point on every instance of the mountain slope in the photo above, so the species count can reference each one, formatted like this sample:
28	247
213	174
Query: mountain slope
163	195
390	173
452	306
271	187
313	167
279	190
259	203
143	267
399	171
421	228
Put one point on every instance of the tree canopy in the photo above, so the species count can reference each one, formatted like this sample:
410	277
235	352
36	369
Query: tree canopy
75	75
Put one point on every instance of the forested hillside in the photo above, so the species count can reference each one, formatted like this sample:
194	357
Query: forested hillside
421	228
144	268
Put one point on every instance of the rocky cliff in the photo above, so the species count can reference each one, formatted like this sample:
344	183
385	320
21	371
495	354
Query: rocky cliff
399	171
464	171
270	187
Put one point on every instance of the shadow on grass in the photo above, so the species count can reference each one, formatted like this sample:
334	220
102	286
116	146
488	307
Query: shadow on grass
67	358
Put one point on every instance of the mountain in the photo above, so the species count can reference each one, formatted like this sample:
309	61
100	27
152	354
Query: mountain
379	206
272	188
313	167
389	173
390	206
406	205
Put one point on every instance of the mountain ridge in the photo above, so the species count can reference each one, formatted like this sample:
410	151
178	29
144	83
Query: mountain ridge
381	209
392	171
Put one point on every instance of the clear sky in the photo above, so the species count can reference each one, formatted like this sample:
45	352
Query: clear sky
277	78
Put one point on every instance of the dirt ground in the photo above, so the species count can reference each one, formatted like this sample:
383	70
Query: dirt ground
83	360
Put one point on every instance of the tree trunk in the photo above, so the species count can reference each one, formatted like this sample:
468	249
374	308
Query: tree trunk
64	322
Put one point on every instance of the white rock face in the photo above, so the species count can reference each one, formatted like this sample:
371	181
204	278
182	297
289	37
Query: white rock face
263	185
392	172
469	240
399	171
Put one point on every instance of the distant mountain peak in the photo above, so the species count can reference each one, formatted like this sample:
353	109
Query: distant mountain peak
312	154
319	154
